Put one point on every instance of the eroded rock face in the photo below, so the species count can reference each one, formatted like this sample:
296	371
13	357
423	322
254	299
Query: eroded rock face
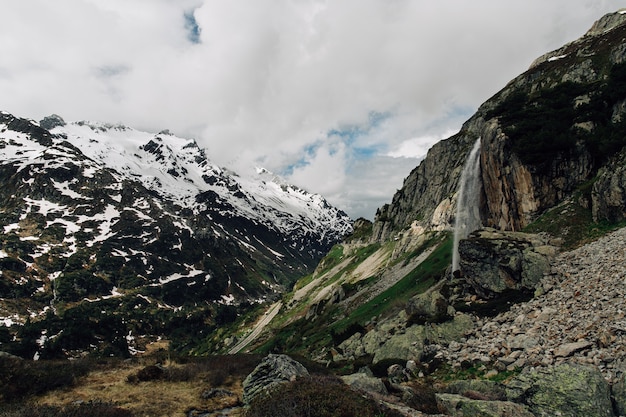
609	191
493	262
271	372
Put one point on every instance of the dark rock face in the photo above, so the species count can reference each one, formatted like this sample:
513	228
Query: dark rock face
609	191
493	262
271	372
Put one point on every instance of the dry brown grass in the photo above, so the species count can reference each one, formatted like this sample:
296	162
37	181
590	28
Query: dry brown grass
175	393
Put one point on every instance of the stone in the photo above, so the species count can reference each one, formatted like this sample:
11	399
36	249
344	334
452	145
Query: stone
568	349
493	262
490	389
363	382
567	390
460	406
429	307
270	373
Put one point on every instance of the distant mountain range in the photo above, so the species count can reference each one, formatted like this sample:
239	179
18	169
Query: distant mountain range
92	212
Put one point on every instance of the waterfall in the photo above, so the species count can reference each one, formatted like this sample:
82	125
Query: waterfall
468	201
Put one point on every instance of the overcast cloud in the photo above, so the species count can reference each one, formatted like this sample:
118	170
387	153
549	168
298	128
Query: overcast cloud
340	97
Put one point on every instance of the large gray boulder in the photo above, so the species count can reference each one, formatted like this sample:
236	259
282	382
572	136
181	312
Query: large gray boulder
270	373
363	382
567	390
493	262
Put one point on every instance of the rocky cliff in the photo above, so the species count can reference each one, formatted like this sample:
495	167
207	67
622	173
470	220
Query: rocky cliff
543	136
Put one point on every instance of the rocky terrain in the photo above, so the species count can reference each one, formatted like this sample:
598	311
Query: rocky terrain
578	315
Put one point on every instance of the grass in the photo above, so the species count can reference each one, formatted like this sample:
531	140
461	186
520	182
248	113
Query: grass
572	223
416	282
114	388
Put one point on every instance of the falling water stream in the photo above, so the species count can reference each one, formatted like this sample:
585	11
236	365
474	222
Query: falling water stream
468	201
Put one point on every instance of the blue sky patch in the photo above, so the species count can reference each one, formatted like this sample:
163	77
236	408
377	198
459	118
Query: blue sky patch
193	30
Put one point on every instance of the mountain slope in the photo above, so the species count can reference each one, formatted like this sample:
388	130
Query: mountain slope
95	213
552	161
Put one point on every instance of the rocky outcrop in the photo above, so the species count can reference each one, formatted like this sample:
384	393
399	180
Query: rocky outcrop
609	191
425	193
493	262
567	390
396	339
576	317
270	373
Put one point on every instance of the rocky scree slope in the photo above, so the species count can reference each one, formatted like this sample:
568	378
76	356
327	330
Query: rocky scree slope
112	224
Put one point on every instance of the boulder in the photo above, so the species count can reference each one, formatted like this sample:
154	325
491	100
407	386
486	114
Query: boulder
363	382
271	372
429	307
493	262
460	406
565	390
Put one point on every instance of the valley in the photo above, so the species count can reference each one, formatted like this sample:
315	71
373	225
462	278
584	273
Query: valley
146	280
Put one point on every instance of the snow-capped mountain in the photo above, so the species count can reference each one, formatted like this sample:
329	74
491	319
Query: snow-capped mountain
92	212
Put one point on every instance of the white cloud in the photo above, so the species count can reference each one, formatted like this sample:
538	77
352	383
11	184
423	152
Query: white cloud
260	81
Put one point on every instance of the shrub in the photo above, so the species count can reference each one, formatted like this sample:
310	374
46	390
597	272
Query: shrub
316	396
20	379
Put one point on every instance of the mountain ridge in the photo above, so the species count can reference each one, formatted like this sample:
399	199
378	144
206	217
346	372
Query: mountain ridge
100	212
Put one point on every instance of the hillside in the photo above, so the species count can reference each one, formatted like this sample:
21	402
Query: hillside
551	162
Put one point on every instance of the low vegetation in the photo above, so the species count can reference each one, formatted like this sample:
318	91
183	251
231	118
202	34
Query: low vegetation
158	384
317	396
549	123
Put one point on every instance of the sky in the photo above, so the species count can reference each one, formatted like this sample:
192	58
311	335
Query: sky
342	98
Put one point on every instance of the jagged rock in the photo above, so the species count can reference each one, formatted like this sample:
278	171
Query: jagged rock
493	262
272	371
363	382
565	390
428	307
608	195
52	121
459	406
